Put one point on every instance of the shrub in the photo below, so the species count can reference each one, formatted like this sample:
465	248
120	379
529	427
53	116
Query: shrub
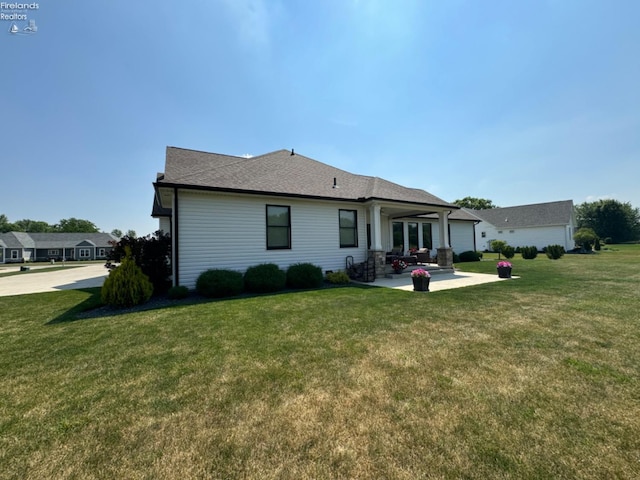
151	254
264	278
338	278
456	257
217	283
508	251
126	285
304	275
554	252
470	256
529	253
178	292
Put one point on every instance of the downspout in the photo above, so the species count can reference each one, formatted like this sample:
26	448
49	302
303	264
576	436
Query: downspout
174	237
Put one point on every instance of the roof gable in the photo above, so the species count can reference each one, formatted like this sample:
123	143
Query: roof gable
285	173
535	215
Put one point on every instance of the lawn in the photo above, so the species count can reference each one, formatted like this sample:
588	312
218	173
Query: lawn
537	377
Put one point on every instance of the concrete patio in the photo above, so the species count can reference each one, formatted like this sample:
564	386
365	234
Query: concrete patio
439	281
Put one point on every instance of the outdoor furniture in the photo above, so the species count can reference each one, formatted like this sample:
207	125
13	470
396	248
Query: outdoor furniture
398	255
423	255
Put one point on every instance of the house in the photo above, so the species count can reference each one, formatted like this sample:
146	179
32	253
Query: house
233	212
28	247
540	224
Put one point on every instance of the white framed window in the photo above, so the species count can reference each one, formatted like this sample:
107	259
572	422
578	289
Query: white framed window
483	234
102	252
84	253
14	254
51	253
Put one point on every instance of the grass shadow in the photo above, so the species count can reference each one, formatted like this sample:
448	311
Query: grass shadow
92	307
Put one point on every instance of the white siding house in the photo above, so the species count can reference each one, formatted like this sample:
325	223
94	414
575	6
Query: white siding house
232	212
538	225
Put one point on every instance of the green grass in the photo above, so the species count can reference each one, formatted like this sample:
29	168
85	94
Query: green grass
536	377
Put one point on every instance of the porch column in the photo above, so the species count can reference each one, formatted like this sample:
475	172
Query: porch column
376	252
445	254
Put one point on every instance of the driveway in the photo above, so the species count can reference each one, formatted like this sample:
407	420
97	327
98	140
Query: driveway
70	278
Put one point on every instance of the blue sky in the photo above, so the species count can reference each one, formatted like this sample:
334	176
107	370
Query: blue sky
518	102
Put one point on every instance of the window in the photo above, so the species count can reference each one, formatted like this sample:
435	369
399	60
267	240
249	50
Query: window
413	235
52	253
84	253
102	252
398	236
483	234
278	227
14	254
427	241
512	231
348	228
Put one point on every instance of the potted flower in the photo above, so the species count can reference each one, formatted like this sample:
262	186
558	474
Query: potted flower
398	265
420	278
504	269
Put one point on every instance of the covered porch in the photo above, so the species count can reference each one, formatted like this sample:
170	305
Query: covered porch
397	226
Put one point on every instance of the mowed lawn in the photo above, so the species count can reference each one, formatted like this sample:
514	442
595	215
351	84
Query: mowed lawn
537	377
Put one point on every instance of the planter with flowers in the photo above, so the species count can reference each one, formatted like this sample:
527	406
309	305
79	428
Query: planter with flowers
398	265
420	278
504	269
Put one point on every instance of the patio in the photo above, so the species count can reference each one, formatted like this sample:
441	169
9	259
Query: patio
439	281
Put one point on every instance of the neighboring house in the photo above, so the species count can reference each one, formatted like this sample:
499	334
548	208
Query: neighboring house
233	212
29	247
541	224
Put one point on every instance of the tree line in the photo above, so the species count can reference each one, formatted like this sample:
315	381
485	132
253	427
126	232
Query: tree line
615	221
65	225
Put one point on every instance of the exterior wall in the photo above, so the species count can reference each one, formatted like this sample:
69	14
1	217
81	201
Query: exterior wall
522	237
229	231
165	224
461	236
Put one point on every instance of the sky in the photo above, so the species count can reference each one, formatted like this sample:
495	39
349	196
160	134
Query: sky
517	102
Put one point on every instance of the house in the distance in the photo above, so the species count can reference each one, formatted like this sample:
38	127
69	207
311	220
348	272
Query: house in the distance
540	224
282	207
29	247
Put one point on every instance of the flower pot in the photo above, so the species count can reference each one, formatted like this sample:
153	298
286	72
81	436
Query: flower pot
504	272
420	284
398	270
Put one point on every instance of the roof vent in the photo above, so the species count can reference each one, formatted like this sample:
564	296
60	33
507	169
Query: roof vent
335	183
292	152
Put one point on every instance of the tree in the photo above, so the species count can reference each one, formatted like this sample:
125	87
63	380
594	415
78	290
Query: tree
75	225
5	226
131	233
610	218
32	226
498	246
475	203
116	233
585	237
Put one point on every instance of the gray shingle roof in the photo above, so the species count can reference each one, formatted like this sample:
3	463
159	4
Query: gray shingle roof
54	240
535	215
282	173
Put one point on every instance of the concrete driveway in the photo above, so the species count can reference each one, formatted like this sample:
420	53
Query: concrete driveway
72	277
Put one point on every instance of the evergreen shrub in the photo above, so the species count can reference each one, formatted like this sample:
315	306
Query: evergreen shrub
338	278
264	278
304	275
218	283
529	253
470	256
508	251
178	292
554	252
126	285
